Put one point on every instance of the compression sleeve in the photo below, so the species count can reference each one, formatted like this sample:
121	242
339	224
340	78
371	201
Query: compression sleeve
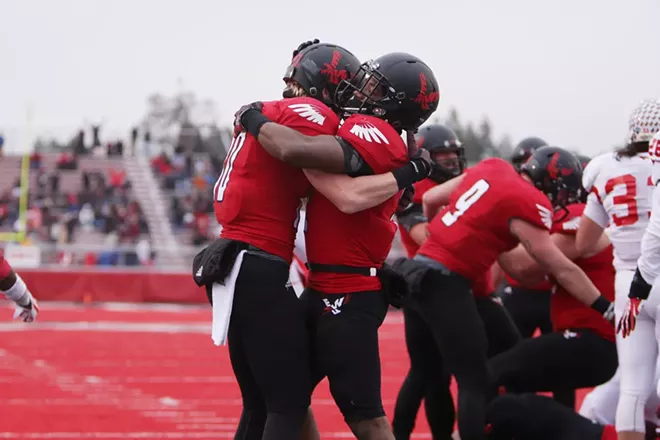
354	164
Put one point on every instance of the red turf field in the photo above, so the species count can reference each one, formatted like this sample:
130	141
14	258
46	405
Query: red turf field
140	372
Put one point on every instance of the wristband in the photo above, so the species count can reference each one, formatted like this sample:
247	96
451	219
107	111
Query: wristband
407	175
639	288
601	305
252	120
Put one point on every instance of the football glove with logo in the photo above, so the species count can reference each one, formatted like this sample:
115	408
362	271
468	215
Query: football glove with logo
639	291
419	168
27	312
249	118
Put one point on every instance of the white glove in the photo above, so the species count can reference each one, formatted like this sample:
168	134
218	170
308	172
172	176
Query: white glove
29	312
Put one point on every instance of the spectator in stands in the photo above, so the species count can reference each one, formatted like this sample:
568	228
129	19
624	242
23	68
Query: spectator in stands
2	144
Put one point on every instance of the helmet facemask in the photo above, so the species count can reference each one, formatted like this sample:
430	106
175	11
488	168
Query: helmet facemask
368	92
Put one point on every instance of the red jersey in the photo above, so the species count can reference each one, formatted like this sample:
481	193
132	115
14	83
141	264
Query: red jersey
470	233
257	197
566	312
420	188
482	286
544	285
362	239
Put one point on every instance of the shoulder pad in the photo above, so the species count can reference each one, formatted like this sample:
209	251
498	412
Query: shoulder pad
376	141
308	113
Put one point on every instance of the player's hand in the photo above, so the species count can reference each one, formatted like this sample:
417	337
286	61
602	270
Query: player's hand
304	45
406	199
238	116
628	321
29	312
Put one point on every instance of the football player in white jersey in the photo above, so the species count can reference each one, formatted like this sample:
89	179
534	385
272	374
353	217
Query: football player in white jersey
640	324
620	190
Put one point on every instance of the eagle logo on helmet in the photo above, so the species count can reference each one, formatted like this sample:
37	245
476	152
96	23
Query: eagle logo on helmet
335	76
423	99
554	171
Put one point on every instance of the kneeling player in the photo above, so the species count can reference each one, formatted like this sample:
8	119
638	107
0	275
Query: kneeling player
581	351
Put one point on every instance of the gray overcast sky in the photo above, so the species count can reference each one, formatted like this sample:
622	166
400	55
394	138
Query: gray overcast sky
569	71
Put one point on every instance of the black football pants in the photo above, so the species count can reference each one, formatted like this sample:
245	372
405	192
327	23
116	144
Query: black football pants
532	417
269	350
427	377
447	306
565	361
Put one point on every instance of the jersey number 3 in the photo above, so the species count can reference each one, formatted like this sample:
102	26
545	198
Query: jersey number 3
628	199
467	199
235	148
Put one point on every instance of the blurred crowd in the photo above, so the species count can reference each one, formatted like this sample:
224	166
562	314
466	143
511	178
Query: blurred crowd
188	179
99	209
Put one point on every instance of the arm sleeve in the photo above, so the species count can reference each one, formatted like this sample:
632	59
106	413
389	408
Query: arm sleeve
411	217
596	212
354	164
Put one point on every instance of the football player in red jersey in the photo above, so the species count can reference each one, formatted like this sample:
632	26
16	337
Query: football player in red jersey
425	379
529	306
488	211
14	288
581	352
256	201
346	250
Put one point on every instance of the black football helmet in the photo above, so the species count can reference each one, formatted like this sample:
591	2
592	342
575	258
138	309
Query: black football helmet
557	173
397	87
439	139
584	160
524	150
319	68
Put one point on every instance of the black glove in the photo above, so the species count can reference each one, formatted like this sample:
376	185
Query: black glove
639	288
406	199
249	118
419	168
304	45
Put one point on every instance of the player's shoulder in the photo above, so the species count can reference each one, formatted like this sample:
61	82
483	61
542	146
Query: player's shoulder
307	112
379	144
566	221
493	166
367	129
598	168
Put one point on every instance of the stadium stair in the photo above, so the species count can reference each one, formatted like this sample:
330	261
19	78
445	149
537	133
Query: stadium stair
154	205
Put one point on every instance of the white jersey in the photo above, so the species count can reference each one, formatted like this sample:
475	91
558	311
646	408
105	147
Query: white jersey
620	191
649	261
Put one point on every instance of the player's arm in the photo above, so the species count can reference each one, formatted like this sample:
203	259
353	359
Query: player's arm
592	225
497	274
524	268
322	152
14	288
438	196
541	247
359	189
412	219
353	194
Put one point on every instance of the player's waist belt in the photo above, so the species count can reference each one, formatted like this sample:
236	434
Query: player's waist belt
341	269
